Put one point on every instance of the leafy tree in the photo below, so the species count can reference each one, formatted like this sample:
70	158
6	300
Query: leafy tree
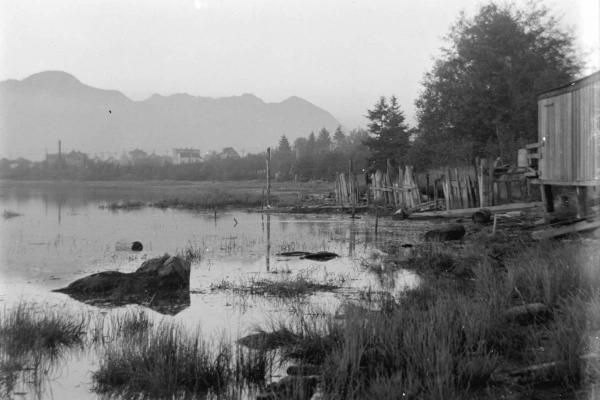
480	99
389	137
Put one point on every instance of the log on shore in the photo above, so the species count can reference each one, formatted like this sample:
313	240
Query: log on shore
581	226
468	212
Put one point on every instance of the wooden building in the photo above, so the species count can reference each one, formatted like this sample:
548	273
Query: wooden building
569	136
569	133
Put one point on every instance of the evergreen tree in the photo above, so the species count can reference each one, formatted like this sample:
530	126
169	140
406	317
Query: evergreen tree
339	139
324	141
389	137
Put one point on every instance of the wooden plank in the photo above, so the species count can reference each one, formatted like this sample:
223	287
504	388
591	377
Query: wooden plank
565	183
533	145
581	226
467	212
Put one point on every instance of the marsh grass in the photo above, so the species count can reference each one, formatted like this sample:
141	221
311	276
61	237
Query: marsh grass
192	253
164	362
445	339
33	341
27	326
211	199
286	287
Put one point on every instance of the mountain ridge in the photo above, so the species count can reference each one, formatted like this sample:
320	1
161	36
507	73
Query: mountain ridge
48	106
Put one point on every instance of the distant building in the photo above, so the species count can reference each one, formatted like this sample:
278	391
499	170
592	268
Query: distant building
74	159
186	156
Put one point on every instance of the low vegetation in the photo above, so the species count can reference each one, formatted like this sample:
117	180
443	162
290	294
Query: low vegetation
27	327
288	286
166	361
32	341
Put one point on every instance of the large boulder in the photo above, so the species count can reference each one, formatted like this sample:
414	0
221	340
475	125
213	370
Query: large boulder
157	279
448	232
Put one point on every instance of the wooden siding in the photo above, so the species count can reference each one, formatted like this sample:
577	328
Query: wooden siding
569	127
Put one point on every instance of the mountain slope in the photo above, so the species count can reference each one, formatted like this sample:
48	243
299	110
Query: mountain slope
39	110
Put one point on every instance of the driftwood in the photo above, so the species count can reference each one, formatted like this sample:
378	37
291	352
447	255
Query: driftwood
468	212
581	226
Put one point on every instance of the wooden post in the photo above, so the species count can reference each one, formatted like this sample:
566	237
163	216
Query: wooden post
481	183
547	197
447	190
582	208
268	177
376	218
353	193
492	197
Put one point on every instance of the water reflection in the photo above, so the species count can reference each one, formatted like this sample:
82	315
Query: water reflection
268	250
166	302
64	235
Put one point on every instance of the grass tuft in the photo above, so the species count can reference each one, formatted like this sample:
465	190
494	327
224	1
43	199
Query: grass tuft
287	286
166	361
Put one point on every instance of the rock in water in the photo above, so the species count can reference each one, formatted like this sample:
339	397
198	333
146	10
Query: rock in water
156	278
124	245
320	256
448	232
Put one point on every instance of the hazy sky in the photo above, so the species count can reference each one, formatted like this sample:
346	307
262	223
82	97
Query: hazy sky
339	54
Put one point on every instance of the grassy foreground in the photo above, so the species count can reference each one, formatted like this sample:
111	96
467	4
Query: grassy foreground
453	337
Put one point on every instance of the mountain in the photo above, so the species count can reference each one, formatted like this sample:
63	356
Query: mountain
49	106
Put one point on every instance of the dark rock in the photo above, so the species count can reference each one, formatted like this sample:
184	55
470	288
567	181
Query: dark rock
528	314
294	253
124	245
269	340
448	232
158	280
320	256
291	387
303	370
482	216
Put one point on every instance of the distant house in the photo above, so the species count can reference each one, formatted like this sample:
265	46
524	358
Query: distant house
186	156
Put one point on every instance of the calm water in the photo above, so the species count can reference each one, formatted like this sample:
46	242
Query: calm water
64	235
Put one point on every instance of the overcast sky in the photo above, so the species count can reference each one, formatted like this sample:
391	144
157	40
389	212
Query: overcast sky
339	54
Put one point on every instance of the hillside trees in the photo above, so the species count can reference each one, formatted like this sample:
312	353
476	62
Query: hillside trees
480	97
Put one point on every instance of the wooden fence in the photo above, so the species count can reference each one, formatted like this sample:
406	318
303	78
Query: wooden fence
480	185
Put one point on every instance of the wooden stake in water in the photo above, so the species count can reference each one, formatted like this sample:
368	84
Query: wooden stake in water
494	228
268	177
